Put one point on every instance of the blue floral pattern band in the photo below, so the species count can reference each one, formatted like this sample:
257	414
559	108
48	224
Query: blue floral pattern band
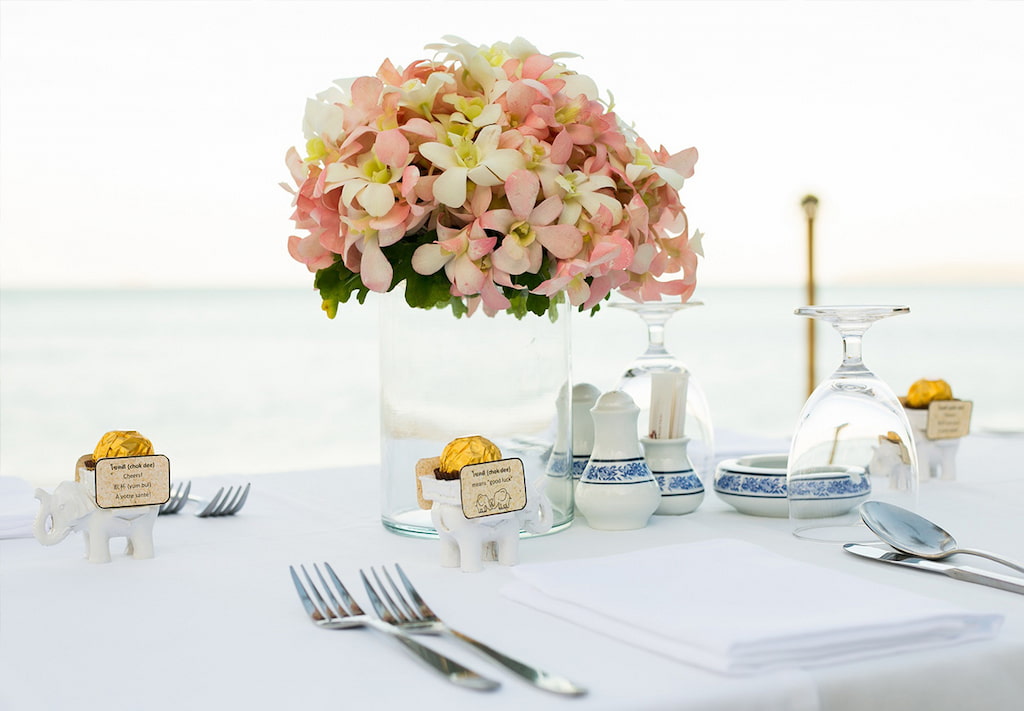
682	483
617	471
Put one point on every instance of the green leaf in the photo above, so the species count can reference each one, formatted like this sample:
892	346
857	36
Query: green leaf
337	284
422	291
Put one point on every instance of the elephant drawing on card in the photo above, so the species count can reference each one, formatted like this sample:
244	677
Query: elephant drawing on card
502	500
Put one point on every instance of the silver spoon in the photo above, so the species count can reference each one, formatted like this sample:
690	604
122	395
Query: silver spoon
909	533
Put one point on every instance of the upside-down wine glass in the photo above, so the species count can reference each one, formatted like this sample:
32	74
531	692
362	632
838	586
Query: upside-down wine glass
636	381
853	441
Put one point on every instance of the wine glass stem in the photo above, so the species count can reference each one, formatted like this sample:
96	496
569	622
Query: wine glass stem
655	337
852	355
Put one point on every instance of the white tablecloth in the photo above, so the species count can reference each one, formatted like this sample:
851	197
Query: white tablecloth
213	620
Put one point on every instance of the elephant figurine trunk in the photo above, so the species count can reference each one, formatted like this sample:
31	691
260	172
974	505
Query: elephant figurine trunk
44	528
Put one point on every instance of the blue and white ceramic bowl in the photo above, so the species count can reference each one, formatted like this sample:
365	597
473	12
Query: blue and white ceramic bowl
824	492
754	485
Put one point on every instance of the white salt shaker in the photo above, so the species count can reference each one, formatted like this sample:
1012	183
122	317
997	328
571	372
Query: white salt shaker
617	490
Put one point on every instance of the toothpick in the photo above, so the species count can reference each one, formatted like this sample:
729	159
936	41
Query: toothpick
663	393
679	405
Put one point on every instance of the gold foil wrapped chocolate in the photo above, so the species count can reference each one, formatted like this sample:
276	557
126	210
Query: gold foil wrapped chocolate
923	392
467	450
122	443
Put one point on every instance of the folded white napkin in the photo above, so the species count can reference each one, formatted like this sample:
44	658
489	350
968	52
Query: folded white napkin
736	608
18	508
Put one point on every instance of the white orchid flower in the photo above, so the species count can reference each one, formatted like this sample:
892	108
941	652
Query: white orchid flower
642	166
581	192
370	181
479	161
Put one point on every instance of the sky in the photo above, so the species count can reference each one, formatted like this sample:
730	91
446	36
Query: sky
142	144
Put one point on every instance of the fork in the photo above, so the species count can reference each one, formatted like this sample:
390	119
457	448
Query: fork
224	503
177	500
423	620
338	616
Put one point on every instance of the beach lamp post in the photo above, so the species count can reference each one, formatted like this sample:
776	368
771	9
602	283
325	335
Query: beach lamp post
810	206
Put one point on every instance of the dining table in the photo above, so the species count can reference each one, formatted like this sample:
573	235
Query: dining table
213	621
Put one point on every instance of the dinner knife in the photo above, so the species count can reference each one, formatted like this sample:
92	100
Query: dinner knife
971	575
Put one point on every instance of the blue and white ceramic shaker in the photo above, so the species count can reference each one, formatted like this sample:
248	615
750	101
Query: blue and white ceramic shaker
617	490
681	489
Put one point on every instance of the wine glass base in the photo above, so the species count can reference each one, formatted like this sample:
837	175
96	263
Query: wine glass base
836	533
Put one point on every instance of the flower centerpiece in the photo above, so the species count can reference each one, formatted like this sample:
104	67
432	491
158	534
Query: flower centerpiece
491	177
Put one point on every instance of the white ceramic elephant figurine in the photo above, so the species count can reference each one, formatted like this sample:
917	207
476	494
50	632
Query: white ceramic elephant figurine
936	458
72	508
468	542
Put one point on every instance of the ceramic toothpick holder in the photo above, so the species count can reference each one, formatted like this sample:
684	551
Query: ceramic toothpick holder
681	489
617	490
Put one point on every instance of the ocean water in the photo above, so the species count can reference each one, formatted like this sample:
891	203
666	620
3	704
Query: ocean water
250	381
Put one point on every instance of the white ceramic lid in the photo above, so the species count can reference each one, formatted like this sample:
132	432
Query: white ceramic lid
615	401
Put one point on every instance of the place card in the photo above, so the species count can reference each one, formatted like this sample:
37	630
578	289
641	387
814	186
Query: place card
133	481
493	488
949	419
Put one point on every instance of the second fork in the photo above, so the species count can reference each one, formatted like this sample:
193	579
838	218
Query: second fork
346	614
423	620
226	502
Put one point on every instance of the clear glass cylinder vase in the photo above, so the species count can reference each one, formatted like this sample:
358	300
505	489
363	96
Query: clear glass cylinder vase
499	377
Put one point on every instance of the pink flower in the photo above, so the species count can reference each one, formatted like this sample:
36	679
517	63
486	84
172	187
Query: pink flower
366	106
645	287
527	227
570	277
308	251
460	253
368	185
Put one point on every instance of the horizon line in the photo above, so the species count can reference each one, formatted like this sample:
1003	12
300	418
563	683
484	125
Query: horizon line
719	284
